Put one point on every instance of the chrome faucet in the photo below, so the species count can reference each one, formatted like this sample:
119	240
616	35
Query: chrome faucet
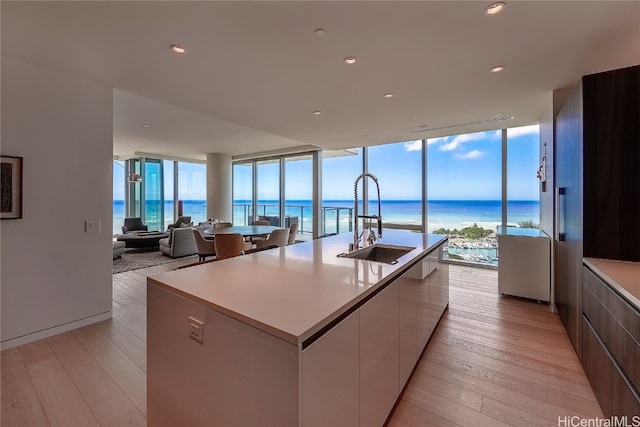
372	236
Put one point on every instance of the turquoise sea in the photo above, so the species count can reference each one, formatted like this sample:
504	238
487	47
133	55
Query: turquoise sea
441	213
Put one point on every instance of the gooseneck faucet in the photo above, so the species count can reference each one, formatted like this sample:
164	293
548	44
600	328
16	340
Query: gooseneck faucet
356	235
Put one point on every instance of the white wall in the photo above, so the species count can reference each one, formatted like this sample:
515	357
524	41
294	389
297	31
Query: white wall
54	276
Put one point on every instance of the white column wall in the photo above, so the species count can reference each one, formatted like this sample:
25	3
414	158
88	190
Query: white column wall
54	276
219	187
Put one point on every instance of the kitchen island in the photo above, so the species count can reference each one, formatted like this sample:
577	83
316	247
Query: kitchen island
292	336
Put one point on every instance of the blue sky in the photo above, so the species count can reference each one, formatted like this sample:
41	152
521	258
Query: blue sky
468	166
460	167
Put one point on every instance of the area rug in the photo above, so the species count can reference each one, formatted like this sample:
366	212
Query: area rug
134	259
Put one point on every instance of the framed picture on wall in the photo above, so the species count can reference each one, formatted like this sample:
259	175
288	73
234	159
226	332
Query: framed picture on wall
11	187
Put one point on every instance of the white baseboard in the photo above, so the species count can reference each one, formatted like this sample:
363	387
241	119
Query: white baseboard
46	333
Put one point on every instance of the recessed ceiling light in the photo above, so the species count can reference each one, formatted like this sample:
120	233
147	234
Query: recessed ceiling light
494	8
178	49
366	136
317	113
497	68
389	95
350	60
146	125
319	32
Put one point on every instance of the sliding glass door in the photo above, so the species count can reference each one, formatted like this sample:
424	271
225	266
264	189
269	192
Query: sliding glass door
268	191
192	190
298	192
153	194
339	171
243	209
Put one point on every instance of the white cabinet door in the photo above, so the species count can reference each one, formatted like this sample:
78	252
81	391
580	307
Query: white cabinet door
331	378
379	356
424	325
408	289
438	285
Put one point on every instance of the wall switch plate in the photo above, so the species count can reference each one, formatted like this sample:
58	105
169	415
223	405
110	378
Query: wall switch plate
196	330
92	226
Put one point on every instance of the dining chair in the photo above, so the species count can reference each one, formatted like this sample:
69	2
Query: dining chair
222	225
259	249
204	247
293	232
278	237
261	236
230	245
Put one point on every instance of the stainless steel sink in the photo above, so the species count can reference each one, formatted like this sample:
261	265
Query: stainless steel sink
379	252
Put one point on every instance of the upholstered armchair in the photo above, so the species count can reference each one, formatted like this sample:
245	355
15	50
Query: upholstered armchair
179	221
133	224
179	243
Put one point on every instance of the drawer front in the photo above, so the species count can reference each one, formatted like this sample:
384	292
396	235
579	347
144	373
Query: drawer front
615	395
615	321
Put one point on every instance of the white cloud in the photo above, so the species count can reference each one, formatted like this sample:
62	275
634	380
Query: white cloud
432	141
473	154
523	130
413	145
458	140
449	146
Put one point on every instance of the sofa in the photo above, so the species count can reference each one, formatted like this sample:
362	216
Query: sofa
118	249
180	242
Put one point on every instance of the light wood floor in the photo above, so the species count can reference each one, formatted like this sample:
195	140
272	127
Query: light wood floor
492	361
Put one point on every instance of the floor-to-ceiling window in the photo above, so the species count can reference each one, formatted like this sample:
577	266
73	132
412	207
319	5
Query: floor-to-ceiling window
298	192
134	206
523	186
169	193
268	190
465	187
278	189
119	179
243	193
157	189
339	171
398	168
475	183
153	195
192	190
464	178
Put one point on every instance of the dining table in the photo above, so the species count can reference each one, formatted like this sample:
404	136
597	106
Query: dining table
245	230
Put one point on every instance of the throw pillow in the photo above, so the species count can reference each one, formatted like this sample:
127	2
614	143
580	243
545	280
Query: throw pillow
185	225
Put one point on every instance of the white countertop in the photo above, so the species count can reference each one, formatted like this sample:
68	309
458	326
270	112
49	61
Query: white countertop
622	276
294	291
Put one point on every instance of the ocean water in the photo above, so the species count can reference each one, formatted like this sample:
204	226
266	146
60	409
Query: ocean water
442	213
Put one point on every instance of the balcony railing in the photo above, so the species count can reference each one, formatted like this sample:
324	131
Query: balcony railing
334	219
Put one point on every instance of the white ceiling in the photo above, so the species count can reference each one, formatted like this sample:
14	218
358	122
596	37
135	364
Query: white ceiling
255	71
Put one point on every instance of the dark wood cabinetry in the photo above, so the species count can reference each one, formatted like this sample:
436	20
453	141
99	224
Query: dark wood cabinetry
597	160
611	349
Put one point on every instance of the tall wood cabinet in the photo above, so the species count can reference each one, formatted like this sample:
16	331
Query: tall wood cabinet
597	160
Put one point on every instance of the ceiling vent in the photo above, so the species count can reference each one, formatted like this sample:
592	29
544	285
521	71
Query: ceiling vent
477	122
